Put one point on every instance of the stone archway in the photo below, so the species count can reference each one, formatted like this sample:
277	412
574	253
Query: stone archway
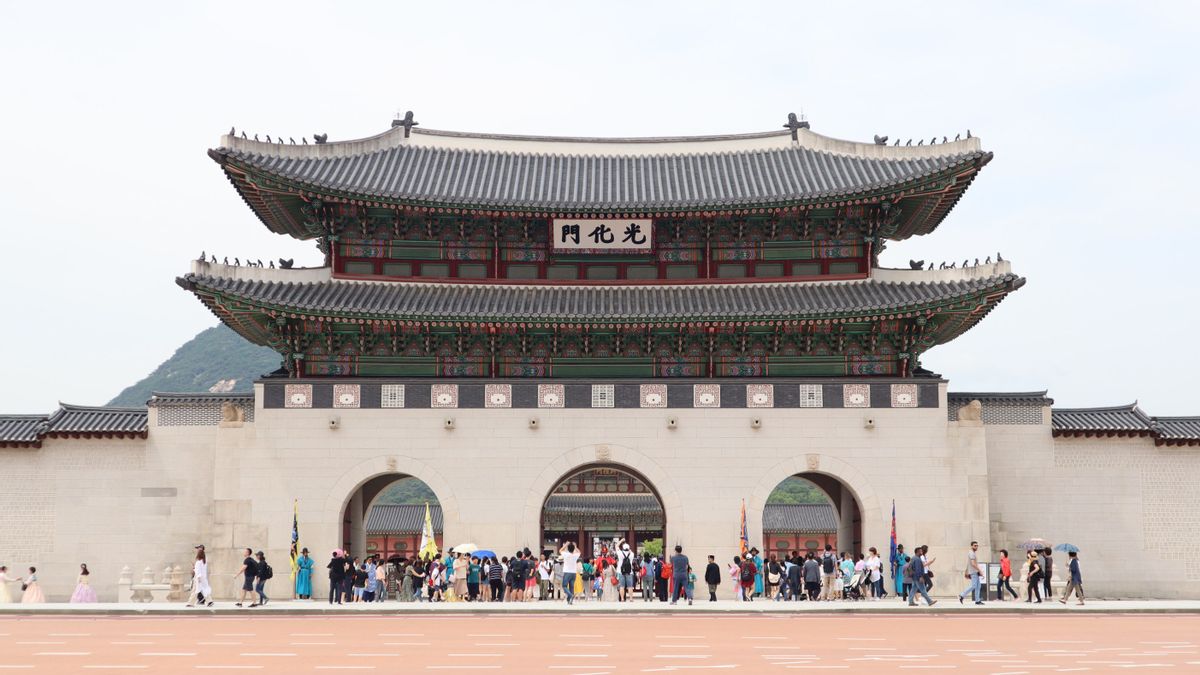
596	504
600	455
353	493
860	516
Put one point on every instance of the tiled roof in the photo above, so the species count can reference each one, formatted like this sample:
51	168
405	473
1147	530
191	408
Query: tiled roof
597	304
787	518
1121	420
22	430
1038	398
603	505
73	421
507	180
160	398
1177	430
402	518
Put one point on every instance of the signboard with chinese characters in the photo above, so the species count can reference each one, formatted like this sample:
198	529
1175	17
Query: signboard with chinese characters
609	235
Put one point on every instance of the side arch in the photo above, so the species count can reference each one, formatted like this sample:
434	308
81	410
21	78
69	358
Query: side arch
871	511
599	455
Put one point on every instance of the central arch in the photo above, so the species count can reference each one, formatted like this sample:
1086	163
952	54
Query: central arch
595	504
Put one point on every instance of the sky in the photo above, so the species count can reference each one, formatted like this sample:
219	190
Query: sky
1091	109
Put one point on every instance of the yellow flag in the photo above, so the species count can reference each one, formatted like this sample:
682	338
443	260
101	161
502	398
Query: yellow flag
428	542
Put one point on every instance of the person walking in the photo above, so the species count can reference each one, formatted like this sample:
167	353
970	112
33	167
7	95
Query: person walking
748	574
1002	581
828	573
1033	578
336	572
304	570
712	577
248	570
774	576
1075	581
262	574
417	579
735	575
812	576
795	577
83	586
545	577
679	574
874	567
973	574
758	575
570	567
381	569
1047	562
918	572
369	590
200	587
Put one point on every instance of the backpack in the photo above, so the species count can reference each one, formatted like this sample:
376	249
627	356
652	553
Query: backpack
773	573
666	571
626	565
265	572
748	571
906	572
827	564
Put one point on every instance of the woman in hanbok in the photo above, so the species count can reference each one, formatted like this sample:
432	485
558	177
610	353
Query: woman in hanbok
83	587
610	583
5	580
33	590
200	587
735	573
304	571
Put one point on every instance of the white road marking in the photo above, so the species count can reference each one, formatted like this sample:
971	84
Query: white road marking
578	667
930	666
167	654
268	654
958	640
818	666
114	667
42	642
772	637
345	667
1069	642
15	666
679	637
689	646
63	654
872	649
222	634
862	639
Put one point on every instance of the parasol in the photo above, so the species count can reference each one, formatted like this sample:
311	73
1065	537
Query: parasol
1067	548
1036	543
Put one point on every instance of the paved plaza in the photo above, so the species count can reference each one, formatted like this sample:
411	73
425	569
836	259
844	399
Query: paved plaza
1012	644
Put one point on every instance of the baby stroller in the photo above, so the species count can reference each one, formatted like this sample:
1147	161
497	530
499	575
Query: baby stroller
858	586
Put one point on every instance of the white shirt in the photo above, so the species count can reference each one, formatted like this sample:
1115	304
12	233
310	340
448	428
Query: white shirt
621	556
544	570
570	562
873	565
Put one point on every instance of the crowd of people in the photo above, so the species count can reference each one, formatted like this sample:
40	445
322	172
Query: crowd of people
617	573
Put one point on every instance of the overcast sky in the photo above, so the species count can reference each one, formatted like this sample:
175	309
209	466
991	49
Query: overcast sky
1090	108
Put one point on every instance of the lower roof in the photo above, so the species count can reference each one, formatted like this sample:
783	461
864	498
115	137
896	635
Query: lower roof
1125	420
73	421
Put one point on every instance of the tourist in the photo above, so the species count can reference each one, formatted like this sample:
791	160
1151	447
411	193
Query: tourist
625	566
587	575
1075	582
812	576
435	578
691	584
1047	563
610	583
495	579
570	569
680	567
903	586
556	583
83	587
1002	581
735	575
774	578
417	577
747	575
336	570
5	580
380	580
758	575
972	573
358	580
846	567
304	570
875	569
369	568
647	571
519	571
404	592
545	577
474	568
531	576
200	587
828	573
928	563
1033	578
262	574
794	571
33	590
462	565
712	577
248	570
918	572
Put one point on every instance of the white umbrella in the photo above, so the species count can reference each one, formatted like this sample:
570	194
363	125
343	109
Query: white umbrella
465	548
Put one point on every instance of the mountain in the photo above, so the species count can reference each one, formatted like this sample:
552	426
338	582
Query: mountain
217	359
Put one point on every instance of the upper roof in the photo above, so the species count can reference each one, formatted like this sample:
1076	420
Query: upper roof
161	398
74	421
543	175
318	295
1038	398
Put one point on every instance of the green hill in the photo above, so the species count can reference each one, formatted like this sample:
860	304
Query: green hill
217	359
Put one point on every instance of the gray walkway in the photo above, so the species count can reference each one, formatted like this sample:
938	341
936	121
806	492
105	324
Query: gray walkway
889	606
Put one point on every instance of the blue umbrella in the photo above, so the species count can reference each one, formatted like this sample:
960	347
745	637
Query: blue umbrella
1067	548
485	554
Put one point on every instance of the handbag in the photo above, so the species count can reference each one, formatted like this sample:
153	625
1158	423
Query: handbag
613	580
24	586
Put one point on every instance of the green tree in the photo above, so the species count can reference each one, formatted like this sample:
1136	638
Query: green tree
795	490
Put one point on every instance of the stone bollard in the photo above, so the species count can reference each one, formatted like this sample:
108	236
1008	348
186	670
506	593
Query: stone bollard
177	593
124	584
142	595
